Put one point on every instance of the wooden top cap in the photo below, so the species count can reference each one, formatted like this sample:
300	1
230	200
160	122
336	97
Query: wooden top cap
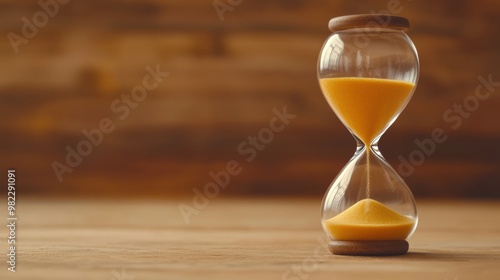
368	20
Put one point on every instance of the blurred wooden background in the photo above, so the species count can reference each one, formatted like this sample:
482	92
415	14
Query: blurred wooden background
225	79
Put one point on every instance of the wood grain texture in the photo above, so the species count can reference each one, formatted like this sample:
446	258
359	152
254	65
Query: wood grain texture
239	239
226	77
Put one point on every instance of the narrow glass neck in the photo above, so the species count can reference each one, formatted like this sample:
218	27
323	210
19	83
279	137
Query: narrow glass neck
360	145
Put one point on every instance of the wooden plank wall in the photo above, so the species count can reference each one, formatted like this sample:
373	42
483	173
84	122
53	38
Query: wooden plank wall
225	79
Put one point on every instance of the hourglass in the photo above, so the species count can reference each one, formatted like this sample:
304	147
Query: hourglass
368	69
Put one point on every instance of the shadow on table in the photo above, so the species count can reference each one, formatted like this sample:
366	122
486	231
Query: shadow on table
451	256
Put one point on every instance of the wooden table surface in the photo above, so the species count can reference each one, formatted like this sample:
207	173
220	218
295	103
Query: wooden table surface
238	239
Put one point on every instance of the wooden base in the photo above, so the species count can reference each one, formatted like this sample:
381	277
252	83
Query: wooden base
369	248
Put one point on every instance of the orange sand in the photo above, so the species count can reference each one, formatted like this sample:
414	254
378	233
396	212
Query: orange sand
366	105
368	219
